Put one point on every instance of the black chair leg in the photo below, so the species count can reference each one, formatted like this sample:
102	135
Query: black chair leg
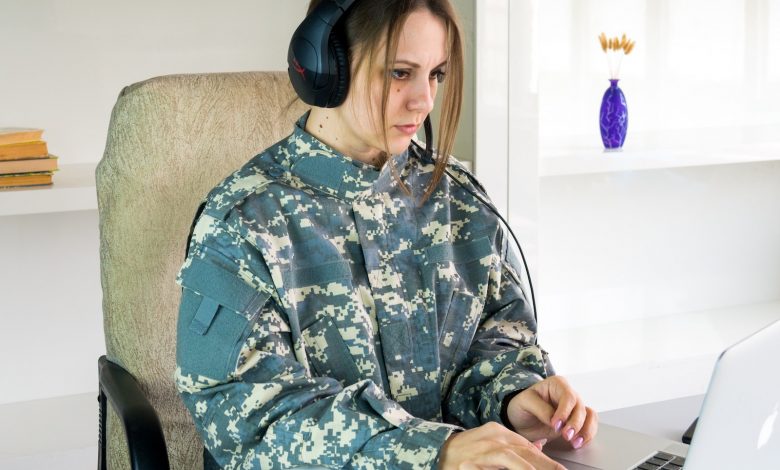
102	430
143	431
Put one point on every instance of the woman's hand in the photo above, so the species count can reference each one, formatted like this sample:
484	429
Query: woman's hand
492	446
551	408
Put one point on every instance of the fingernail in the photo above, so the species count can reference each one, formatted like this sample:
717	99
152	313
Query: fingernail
578	442
569	434
558	425
540	443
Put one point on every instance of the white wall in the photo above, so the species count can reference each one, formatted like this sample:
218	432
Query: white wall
64	64
628	245
52	330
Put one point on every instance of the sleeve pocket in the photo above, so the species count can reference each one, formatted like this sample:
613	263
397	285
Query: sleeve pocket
210	335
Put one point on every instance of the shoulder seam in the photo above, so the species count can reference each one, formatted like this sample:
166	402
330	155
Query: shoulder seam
453	163
220	210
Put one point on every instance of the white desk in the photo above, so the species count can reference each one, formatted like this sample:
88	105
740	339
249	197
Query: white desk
668	419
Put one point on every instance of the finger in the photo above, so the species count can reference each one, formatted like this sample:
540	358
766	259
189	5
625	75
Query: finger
504	457
563	394
589	429
575	422
497	432
468	466
538	460
537	406
539	444
474	466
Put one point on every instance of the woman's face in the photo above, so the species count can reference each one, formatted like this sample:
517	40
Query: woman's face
419	67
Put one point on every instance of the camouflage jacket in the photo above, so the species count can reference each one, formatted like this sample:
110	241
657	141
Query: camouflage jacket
327	320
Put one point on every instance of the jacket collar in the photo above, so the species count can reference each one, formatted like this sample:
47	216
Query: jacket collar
322	167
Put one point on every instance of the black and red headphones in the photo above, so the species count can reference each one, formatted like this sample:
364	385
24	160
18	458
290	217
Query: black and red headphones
318	57
318	60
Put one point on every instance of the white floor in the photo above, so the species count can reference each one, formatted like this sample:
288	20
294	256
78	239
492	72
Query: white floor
57	432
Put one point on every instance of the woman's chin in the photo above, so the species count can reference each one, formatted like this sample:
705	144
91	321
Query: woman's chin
400	144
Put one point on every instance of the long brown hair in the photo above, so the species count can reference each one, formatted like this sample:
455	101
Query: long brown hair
368	24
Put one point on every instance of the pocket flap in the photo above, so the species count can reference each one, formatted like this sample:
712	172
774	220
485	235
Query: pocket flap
223	287
205	314
209	336
318	274
460	252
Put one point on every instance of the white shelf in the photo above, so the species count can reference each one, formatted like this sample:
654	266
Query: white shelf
48	428
73	190
662	150
656	358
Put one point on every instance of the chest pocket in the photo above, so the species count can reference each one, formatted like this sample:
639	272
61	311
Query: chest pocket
457	331
456	268
323	298
458	262
215	318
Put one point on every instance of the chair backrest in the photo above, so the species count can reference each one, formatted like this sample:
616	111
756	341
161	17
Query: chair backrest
170	140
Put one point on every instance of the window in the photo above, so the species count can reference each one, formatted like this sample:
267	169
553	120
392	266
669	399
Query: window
697	64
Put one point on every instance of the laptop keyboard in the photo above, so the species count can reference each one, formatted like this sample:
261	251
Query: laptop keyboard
662	460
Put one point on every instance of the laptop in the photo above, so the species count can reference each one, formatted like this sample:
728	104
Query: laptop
738	425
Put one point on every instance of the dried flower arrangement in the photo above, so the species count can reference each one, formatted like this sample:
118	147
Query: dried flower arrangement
615	49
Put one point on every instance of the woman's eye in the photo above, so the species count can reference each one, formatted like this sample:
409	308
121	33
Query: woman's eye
439	75
399	74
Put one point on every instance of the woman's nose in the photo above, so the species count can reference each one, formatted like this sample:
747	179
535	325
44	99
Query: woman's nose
422	96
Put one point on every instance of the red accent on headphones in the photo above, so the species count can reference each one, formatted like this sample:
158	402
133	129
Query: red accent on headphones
298	68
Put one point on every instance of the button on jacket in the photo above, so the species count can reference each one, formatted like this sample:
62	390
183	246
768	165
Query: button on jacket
329	320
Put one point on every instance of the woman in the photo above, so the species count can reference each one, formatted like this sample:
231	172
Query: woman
347	299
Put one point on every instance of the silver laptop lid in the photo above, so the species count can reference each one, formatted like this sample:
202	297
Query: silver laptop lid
739	426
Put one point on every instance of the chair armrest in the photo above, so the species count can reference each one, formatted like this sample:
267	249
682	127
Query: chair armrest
145	439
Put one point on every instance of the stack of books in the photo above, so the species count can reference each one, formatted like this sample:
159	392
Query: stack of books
24	158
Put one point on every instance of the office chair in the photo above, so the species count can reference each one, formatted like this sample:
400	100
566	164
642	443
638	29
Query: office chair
170	140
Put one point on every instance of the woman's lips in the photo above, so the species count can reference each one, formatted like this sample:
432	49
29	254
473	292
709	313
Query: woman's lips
409	129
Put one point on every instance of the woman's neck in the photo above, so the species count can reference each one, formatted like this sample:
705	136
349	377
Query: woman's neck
329	127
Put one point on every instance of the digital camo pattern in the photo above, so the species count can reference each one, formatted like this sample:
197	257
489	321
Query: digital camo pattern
327	321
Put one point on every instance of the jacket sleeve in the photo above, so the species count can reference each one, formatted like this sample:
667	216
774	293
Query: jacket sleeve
503	357
245	379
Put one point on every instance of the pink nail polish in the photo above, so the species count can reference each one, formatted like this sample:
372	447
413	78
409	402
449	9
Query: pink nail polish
540	443
558	425
569	434
578	442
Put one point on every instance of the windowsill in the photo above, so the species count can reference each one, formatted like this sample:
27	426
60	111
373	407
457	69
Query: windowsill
73	190
662	150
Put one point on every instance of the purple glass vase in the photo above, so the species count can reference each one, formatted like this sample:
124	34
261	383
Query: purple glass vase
613	118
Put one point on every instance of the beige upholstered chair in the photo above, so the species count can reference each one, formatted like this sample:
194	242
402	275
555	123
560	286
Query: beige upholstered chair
170	140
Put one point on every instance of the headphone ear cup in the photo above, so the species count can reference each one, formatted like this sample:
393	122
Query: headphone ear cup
340	54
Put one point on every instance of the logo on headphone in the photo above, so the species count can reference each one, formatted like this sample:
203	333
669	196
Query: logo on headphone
299	69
